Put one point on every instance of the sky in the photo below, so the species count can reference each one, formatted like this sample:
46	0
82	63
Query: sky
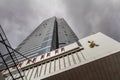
20	17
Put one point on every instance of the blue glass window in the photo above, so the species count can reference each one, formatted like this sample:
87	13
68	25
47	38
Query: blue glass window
48	37
45	44
44	50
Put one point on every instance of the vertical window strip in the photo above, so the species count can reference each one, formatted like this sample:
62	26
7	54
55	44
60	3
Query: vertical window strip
73	58
59	63
54	65
24	74
64	61
40	69
50	67
36	72
45	68
78	57
83	55
31	73
28	72
69	59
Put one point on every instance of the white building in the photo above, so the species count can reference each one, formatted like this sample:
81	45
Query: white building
98	58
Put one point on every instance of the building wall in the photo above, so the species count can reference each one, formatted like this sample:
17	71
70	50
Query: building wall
55	64
74	62
68	66
107	68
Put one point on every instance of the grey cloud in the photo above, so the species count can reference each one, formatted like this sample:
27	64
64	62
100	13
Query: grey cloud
13	17
20	17
90	16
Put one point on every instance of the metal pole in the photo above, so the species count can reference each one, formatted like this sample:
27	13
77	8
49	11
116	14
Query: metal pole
6	65
11	57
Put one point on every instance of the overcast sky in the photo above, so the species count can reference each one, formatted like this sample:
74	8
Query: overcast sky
20	17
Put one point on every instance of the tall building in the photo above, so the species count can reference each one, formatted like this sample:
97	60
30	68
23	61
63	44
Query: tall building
51	34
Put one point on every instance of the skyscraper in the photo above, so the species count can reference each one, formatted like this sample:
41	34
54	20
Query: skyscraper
51	34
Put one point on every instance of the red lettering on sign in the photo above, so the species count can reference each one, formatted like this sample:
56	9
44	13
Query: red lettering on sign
20	64
28	62
56	51
62	49
34	60
42	56
48	54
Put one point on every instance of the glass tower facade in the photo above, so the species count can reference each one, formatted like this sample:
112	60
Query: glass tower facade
49	35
